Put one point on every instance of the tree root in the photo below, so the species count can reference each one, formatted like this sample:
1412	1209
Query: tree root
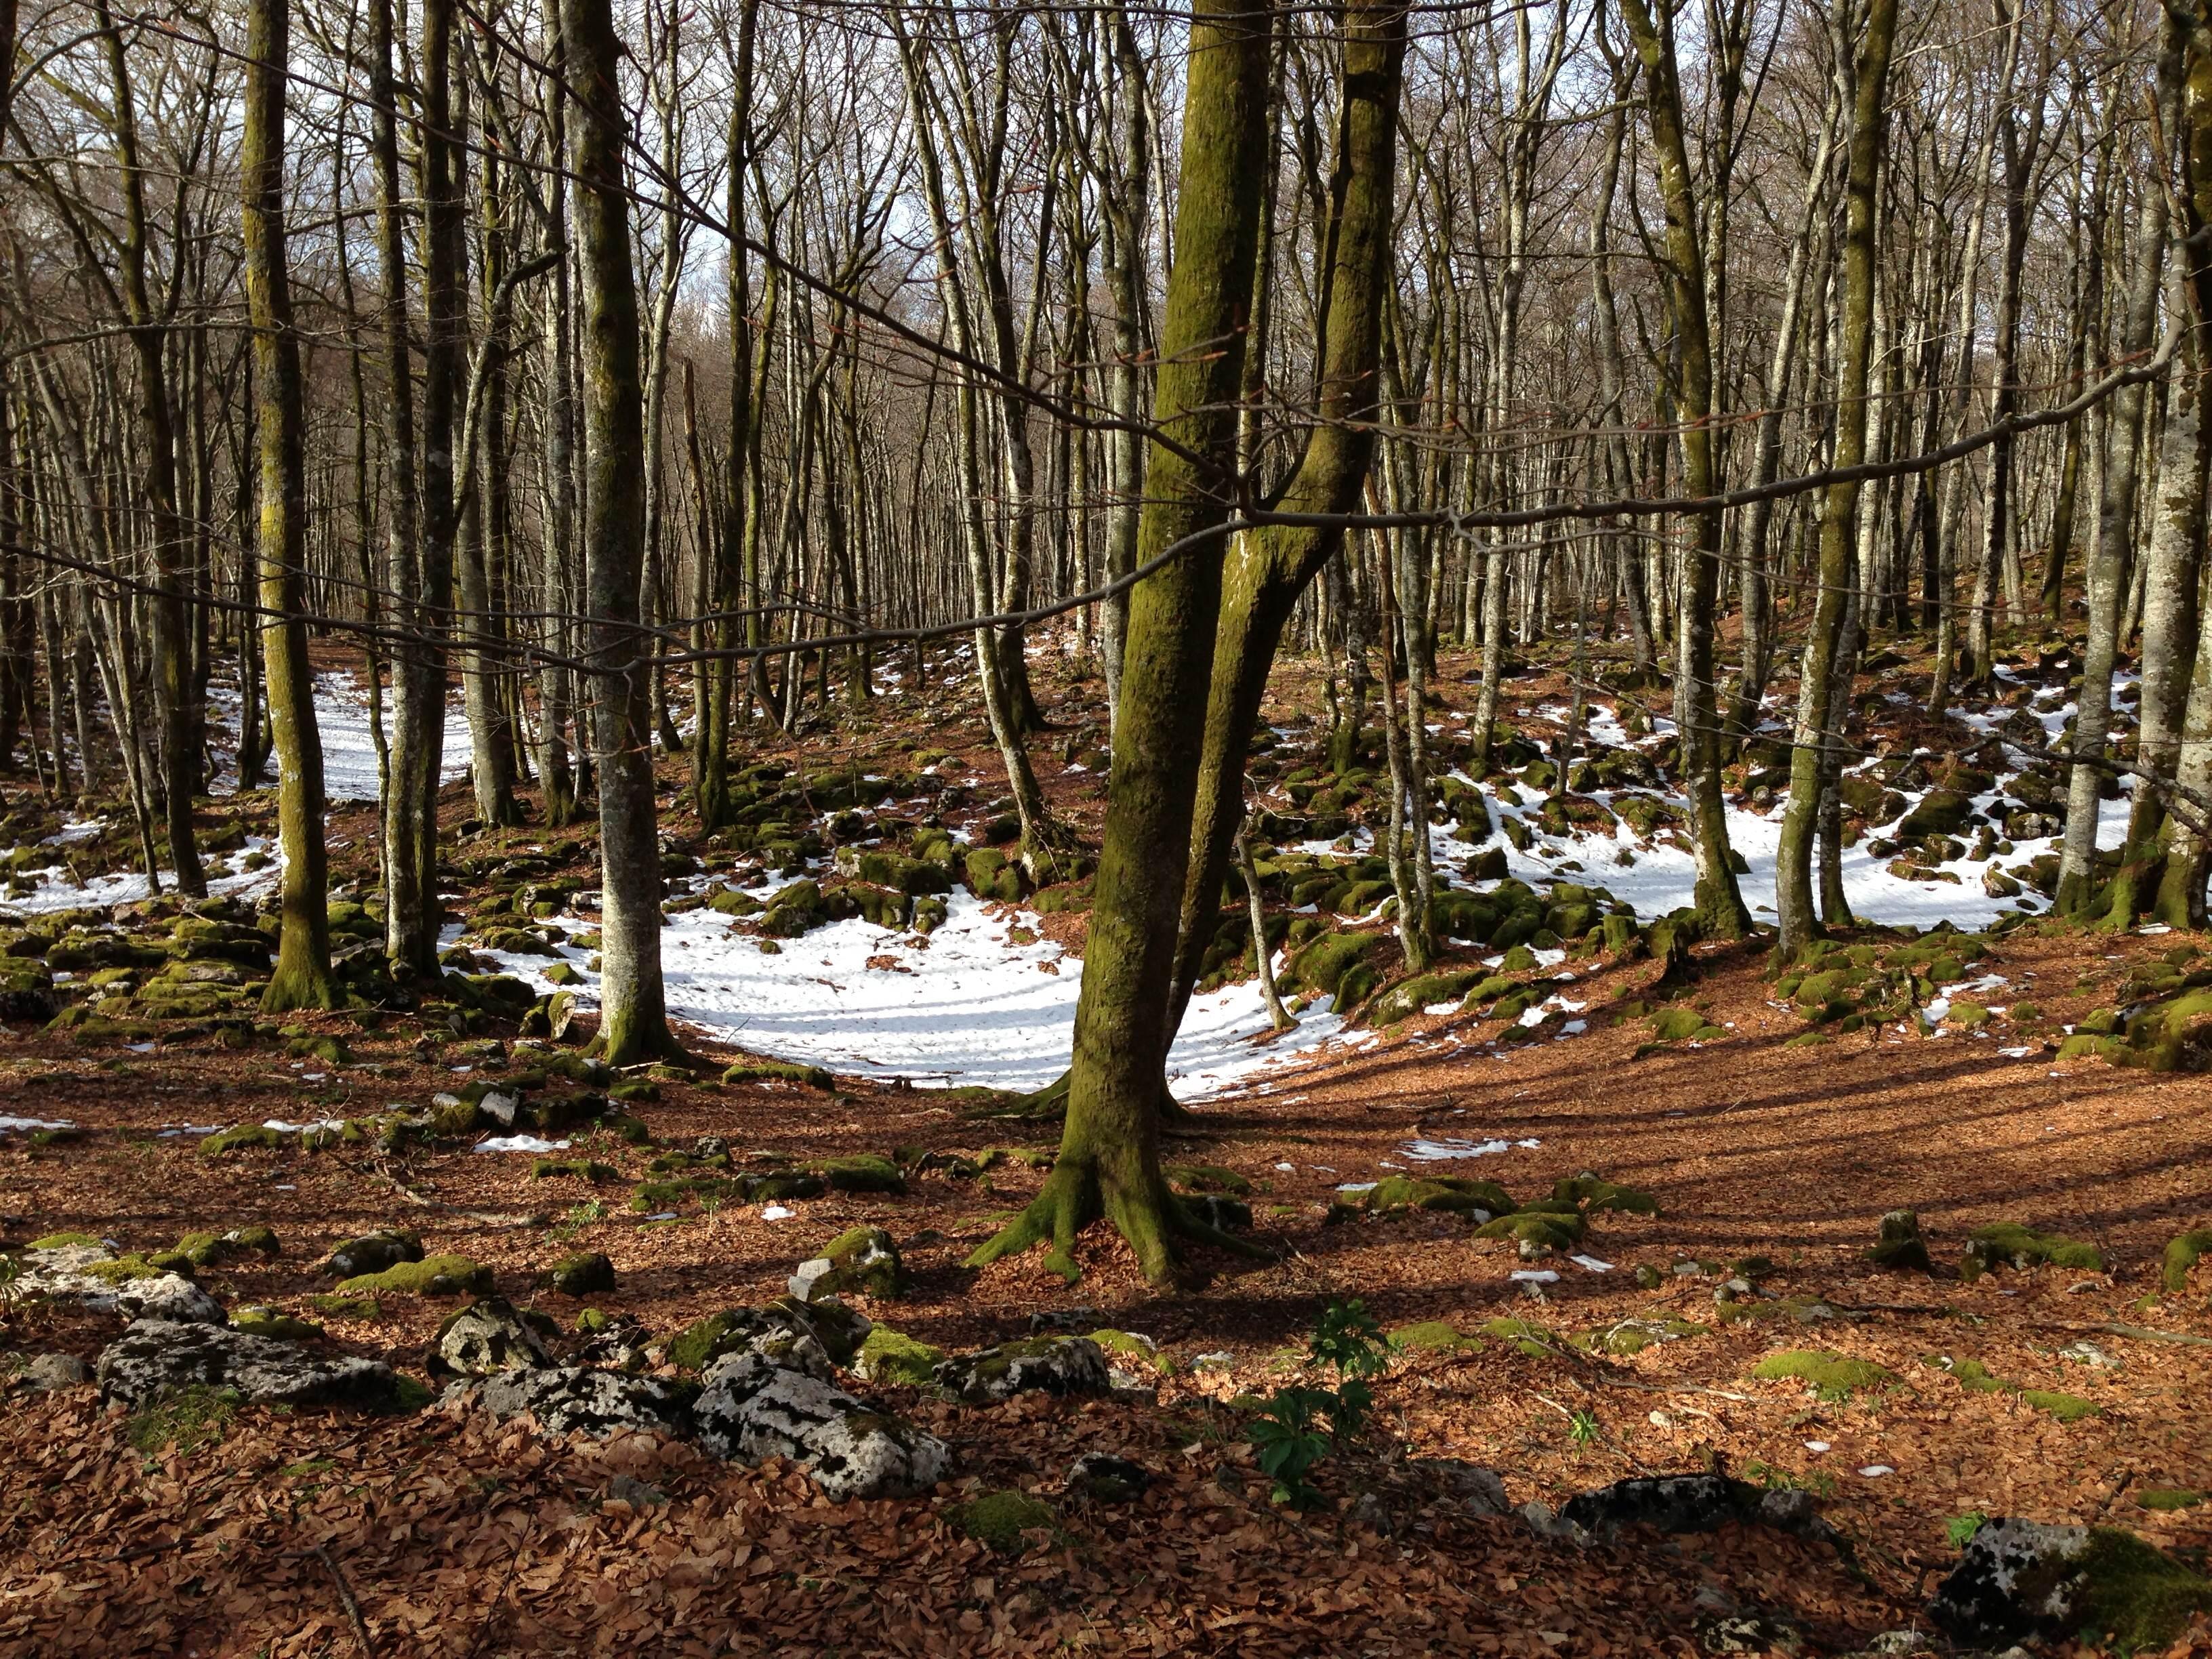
1145	1213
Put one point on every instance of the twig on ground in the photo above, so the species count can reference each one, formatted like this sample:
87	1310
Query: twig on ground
346	1600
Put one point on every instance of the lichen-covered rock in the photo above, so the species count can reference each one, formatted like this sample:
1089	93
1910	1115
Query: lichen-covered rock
2020	1578
155	1357
94	1275
863	1260
613	1342
578	1399
485	1338
52	1371
373	1253
1051	1365
810	1337
751	1409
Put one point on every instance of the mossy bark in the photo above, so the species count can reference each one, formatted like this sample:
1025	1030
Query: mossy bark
1812	782
1268	569
1720	906
634	1020
302	977
1108	1162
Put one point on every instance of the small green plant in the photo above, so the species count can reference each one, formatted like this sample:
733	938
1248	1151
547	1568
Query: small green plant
188	1420
580	1217
1961	1529
1297	1427
1582	1429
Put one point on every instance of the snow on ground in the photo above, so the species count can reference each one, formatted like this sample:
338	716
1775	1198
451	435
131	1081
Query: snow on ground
57	888
966	1006
349	771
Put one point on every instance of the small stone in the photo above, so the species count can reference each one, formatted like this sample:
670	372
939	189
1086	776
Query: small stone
629	1489
1107	1478
500	1106
576	1400
50	1371
157	1356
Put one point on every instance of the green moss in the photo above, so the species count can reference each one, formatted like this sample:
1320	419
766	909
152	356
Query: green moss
891	1357
238	1139
1434	1336
1639	1332
2135	1597
188	1419
2009	1244
67	1241
434	1275
1532	1340
1599	1196
2066	1408
215	1249
865	1172
1206	1178
268	1321
122	1269
999	1518
1833	1377
1683	1025
1127	1345
700	1343
1532	1228
2168	1498
2183	1253
1453	1194
778	1070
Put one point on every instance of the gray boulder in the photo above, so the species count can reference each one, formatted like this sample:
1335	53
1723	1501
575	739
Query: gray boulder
1693	1503
577	1400
485	1338
1052	1365
2015	1578
1472	1488
157	1356
68	1272
751	1409
813	1337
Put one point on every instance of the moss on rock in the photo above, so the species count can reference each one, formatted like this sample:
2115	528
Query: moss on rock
434	1275
778	1070
2184	1252
863	1172
2134	1597
239	1139
1598	1196
2009	1244
588	1272
887	1356
1434	1336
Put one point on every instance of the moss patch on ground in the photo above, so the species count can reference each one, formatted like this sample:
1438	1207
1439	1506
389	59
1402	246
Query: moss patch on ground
1833	1377
2009	1244
2184	1252
2135	1597
188	1420
1977	1378
1001	1518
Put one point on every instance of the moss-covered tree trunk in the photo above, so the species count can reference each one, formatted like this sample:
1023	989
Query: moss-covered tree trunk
1719	903
633	1018
1823	675
1108	1162
1269	568
302	977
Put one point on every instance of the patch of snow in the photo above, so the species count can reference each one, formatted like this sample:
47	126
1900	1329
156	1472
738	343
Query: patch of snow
518	1144
30	1125
1437	1152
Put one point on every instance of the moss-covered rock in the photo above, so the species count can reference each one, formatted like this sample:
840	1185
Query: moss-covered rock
1536	1231
2009	1244
863	1172
777	1072
1434	1336
268	1321
1975	1377
1900	1248
1411	996
219	1249
860	1261
588	1272
890	1356
1000	1520
1452	1193
1598	1196
1206	1178
2184	1252
576	1169
1832	1376
373	1252
1681	1024
2167	1499
243	1138
434	1275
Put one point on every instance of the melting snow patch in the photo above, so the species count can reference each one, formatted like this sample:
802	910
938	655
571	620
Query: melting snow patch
518	1144
8	1125
1875	1470
1592	1263
284	1128
1435	1151
776	1213
1535	1276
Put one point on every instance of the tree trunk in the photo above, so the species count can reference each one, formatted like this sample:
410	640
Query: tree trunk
301	977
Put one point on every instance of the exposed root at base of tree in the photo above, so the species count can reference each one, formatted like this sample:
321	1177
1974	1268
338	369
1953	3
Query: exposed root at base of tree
1150	1217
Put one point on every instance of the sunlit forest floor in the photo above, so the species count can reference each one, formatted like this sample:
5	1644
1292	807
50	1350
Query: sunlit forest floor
1742	1328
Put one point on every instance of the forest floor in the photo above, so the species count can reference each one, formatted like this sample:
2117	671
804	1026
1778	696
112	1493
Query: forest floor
1772	1160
